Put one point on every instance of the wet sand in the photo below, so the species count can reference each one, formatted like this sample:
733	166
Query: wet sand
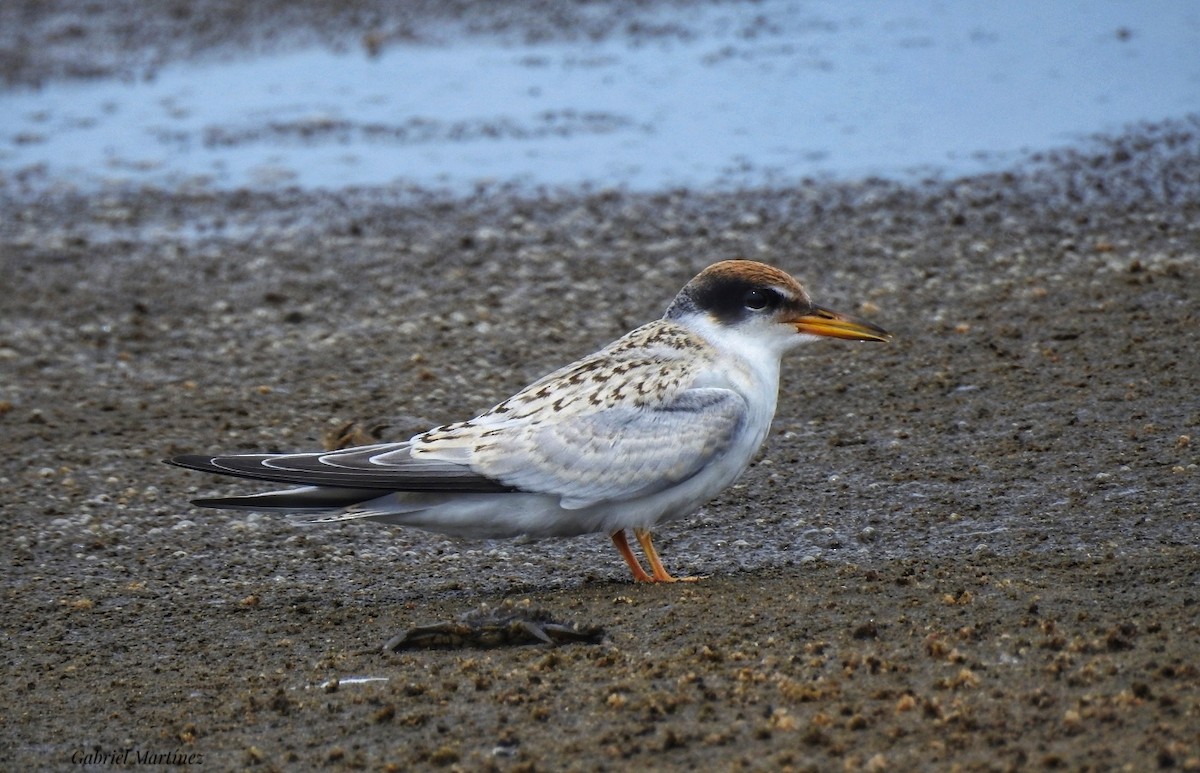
974	548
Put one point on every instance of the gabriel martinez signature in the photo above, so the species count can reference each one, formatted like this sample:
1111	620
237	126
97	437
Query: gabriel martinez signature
137	757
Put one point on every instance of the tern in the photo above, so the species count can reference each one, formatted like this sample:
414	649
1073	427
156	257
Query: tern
644	431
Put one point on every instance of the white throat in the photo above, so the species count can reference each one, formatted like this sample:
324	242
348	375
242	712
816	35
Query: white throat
751	355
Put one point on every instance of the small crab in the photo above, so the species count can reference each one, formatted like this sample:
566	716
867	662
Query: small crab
510	624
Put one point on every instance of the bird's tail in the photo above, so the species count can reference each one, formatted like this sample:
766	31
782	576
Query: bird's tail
307	499
330	504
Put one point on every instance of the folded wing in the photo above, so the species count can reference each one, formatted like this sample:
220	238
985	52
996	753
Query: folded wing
623	423
617	453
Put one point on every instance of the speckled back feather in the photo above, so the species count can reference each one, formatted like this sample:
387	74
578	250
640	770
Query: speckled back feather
610	426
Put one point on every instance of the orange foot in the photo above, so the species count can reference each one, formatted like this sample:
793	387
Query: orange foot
659	573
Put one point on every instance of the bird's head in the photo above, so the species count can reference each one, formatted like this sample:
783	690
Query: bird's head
749	303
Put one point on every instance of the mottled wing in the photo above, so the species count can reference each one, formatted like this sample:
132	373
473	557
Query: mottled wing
616	453
639	416
622	423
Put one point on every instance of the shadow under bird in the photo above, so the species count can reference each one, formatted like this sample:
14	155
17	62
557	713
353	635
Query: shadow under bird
643	431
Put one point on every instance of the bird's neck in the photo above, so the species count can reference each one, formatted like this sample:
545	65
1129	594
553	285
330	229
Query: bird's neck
751	369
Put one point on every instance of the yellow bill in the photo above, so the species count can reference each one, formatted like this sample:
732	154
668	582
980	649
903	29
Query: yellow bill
833	324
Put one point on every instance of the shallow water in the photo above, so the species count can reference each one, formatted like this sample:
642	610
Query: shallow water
747	94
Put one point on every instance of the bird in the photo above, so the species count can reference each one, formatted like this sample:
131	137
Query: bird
645	430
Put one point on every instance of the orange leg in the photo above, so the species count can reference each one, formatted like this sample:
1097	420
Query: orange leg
639	574
660	573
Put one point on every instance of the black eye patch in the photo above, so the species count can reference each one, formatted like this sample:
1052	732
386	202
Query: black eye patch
732	299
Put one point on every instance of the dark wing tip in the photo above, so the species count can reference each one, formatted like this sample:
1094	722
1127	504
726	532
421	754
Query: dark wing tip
349	469
218	502
193	462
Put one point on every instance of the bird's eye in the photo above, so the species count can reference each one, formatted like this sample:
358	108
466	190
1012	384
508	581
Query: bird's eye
756	300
